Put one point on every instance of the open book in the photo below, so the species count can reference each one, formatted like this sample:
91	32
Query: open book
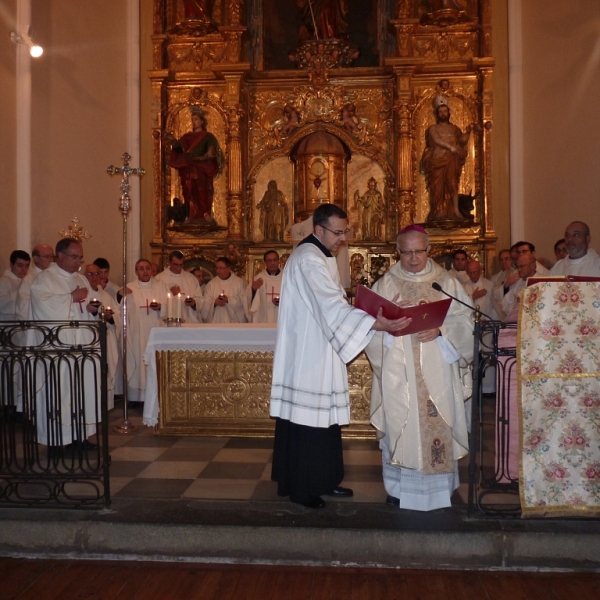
424	316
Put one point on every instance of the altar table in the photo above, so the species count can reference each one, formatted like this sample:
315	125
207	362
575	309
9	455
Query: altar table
204	379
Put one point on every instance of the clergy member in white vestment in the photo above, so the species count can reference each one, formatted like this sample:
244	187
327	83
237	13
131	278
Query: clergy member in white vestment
43	257
107	285
181	282
146	305
480	289
459	266
421	383
582	260
526	267
266	290
10	282
528	249
318	332
60	293
226	296
113	328
506	270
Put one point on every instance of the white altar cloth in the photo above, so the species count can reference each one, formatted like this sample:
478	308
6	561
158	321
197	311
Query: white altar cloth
227	337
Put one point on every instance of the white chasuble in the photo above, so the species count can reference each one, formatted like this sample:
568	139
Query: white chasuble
140	320
318	332
262	309
51	300
236	310
189	286
418	397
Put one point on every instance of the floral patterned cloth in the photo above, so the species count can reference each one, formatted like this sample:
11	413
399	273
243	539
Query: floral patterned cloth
558	358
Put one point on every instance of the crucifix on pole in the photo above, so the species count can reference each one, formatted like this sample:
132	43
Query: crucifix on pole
125	206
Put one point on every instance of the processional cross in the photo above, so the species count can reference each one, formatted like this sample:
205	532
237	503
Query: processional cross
125	207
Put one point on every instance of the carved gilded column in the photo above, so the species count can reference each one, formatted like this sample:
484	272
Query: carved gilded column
406	207
235	202
486	75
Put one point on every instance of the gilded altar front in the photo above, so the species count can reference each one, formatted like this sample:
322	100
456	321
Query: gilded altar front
227	393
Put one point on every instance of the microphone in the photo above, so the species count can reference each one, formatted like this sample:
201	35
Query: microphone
438	288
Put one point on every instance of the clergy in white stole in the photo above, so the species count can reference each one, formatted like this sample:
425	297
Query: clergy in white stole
318	332
266	290
181	282
226	296
60	293
421	382
146	305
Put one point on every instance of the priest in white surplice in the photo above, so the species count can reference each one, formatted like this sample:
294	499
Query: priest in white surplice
181	282
459	266
113	328
318	332
420	383
480	289
60	293
526	267
43	257
582	260
10	282
226	296
146	304
266	289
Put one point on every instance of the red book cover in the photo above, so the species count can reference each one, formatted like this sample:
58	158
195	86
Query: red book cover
424	316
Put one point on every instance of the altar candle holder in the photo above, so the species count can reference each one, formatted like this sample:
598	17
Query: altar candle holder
169	322
178	322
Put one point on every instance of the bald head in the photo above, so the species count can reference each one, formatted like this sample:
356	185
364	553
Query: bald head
474	270
92	273
43	256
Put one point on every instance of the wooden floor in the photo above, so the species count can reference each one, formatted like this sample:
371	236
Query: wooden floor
100	580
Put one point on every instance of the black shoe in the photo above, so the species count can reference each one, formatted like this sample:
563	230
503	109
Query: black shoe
392	500
317	502
341	492
131	405
54	451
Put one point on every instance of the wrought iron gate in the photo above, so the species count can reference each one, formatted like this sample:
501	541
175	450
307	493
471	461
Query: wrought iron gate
53	414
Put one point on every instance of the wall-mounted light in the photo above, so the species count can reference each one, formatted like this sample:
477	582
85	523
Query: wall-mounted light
35	50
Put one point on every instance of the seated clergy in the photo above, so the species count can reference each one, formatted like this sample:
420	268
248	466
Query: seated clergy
266	287
146	304
181	282
226	296
10	282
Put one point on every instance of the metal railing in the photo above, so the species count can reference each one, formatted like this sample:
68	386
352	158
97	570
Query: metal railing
493	486
53	414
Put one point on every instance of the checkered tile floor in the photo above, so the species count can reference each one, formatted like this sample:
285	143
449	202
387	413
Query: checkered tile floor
145	465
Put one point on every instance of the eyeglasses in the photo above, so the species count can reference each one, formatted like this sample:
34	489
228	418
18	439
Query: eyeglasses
46	255
92	274
73	256
338	233
408	253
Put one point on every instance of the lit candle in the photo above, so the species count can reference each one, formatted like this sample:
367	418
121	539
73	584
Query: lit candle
169	306
177	314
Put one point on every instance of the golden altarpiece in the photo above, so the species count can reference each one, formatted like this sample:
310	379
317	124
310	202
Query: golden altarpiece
315	101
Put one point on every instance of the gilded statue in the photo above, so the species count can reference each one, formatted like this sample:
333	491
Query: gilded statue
197	18
371	208
442	162
274	213
198	158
